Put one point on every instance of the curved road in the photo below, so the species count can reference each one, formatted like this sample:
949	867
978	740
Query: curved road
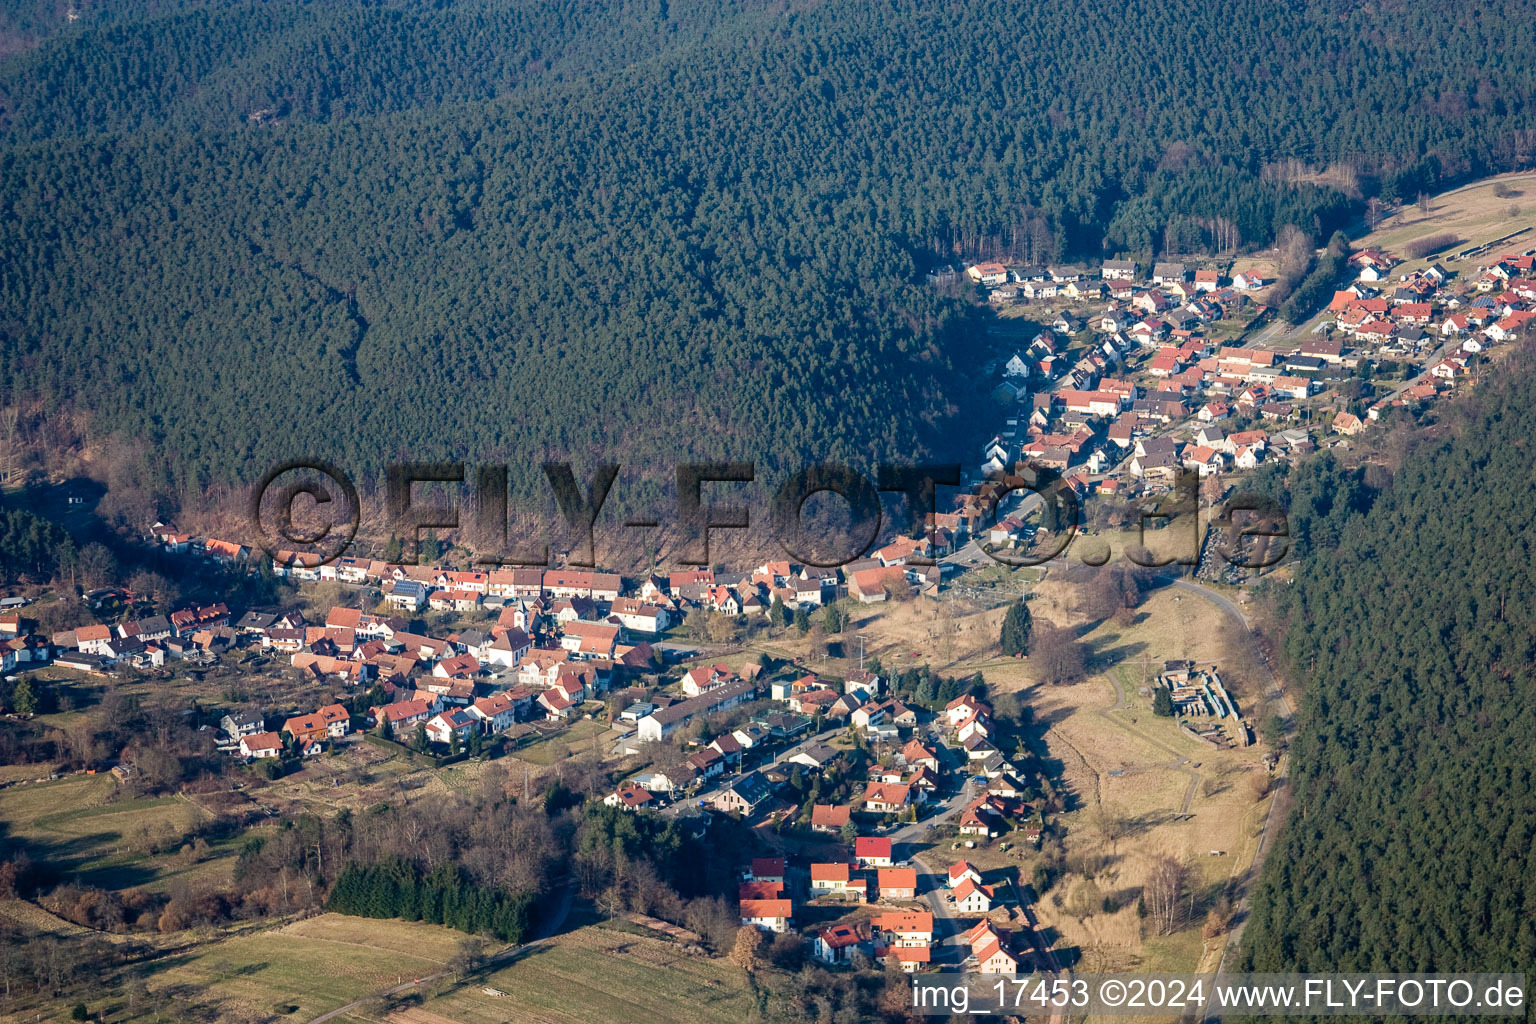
1277	695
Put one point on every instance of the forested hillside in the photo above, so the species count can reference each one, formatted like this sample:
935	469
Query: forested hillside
521	229
194	65
1411	626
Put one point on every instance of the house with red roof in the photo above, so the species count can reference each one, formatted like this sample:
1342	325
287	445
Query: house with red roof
453	600
453	724
1348	424
760	891
1507	328
1203	460
630	797
837	943
460	666
886	797
766	869
330	722
261	744
897	883
972	897
911	958
496	713
988	274
961	870
911	928
830	817
873	851
768	915
873	585
837	879
590	639
993	958
980	819
401	714
961	708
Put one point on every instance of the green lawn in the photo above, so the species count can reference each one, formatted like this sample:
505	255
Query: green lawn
71	824
577	738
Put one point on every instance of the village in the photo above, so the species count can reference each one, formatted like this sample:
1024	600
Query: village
1136	377
880	801
559	647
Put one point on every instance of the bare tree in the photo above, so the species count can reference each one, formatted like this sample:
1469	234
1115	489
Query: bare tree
1110	824
747	953
1058	656
1164	893
1220	919
98	566
1111	590
1296	249
1373	213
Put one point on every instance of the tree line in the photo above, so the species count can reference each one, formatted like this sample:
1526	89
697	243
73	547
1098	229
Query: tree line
445	896
1407	845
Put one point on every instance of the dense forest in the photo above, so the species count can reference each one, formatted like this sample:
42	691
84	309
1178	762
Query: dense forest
242	232
1410	625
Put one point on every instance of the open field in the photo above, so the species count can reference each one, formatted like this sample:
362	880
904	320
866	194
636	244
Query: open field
641	979
1139	789
248	978
1178	538
1135	777
76	825
412	939
24	772
33	919
1473	214
299	971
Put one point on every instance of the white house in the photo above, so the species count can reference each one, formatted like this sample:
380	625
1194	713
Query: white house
769	915
961	871
989	274
261	744
509	649
972	897
639	616
407	595
496	713
442	728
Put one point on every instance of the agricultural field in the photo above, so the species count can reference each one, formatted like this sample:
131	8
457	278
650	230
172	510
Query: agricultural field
1475	215
642	979
76	823
299	971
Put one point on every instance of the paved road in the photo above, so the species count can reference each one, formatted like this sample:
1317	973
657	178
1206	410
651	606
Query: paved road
726	781
1434	357
929	879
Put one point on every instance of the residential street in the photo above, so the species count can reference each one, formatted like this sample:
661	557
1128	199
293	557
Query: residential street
725	781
